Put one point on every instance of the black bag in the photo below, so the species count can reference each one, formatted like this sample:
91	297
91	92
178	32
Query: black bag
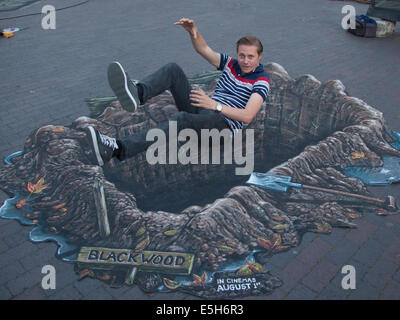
365	27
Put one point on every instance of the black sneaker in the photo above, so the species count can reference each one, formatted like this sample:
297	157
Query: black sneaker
124	88
102	146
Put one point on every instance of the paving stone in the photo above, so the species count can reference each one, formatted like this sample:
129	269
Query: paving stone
314	251
393	222
65	274
293	273
34	293
274	270
384	235
392	252
4	222
116	292
25	281
381	273
391	291
16	253
13	240
318	278
375	219
99	294
277	294
4	293
331	292
362	233
301	292
40	257
11	271
363	291
67	293
280	260
46	244
335	236
396	276
342	252
134	293
253	298
87	285
361	269
307	238
3	246
12	227
369	253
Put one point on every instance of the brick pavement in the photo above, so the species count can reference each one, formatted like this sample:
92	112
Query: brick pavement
48	74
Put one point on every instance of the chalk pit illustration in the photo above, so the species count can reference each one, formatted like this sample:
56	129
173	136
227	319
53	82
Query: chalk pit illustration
199	228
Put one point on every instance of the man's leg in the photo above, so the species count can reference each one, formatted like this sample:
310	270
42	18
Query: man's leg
169	77
123	87
104	147
136	143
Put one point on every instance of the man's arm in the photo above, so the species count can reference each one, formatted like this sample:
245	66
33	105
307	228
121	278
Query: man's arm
245	115
200	99
199	44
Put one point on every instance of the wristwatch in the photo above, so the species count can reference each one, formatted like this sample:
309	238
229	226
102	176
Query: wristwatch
219	108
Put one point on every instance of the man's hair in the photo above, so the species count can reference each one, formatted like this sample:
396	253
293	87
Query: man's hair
250	41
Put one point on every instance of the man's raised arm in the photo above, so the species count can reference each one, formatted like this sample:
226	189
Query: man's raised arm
199	44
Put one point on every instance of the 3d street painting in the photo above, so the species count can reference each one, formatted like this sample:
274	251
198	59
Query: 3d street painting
199	228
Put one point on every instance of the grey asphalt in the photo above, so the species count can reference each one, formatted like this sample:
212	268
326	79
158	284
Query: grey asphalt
47	74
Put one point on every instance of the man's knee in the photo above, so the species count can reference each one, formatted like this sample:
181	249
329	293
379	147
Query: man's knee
173	67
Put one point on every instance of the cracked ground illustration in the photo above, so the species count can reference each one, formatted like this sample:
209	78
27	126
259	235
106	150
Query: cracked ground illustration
199	228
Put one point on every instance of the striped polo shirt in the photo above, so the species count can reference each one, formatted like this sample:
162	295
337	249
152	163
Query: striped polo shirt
234	89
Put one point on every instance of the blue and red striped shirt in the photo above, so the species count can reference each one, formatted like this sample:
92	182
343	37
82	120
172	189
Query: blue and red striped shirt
234	89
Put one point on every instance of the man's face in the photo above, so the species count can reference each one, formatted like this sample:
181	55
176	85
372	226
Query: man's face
248	58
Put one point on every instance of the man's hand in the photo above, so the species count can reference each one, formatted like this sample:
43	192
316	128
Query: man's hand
201	100
188	25
198	42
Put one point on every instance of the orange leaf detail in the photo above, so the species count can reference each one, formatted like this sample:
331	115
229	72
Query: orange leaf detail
143	244
204	277
20	203
37	187
278	241
58	206
30	187
85	273
357	155
266	244
382	212
58	129
198	281
280	248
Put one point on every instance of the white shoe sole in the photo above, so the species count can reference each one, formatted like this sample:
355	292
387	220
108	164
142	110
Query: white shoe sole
95	146
119	84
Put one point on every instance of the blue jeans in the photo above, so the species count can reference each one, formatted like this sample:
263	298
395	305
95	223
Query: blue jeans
170	77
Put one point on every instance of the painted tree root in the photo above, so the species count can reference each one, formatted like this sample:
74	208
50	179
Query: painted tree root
306	130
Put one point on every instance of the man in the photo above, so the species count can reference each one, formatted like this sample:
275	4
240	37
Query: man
239	94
